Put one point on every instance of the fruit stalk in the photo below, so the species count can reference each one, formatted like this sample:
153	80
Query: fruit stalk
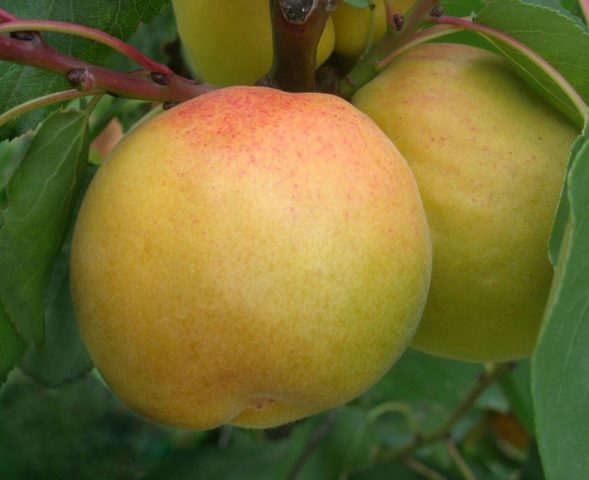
297	26
397	34
40	102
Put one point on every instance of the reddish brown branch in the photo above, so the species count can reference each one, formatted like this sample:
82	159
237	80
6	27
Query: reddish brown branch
84	32
24	45
87	76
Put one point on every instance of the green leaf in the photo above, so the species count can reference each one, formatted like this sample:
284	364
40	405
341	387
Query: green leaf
79	431
347	448
250	462
19	84
562	211
556	5
560	366
329	445
12	346
150	39
574	7
63	357
41	194
554	34
540	81
245	458
11	154
462	8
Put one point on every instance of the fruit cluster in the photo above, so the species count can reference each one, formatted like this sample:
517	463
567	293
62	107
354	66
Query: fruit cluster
254	256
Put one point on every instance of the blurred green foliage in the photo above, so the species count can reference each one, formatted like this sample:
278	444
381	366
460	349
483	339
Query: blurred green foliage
82	431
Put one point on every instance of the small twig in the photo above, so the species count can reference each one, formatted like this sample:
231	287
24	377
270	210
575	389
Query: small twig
485	381
314	442
457	458
422	469
297	26
88	33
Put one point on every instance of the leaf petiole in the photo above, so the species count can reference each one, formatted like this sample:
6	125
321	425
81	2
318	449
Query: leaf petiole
41	102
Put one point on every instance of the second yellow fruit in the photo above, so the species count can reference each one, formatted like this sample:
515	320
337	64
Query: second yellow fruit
230	43
489	156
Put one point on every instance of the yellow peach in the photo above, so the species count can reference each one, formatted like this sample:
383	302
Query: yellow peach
249	257
489	156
